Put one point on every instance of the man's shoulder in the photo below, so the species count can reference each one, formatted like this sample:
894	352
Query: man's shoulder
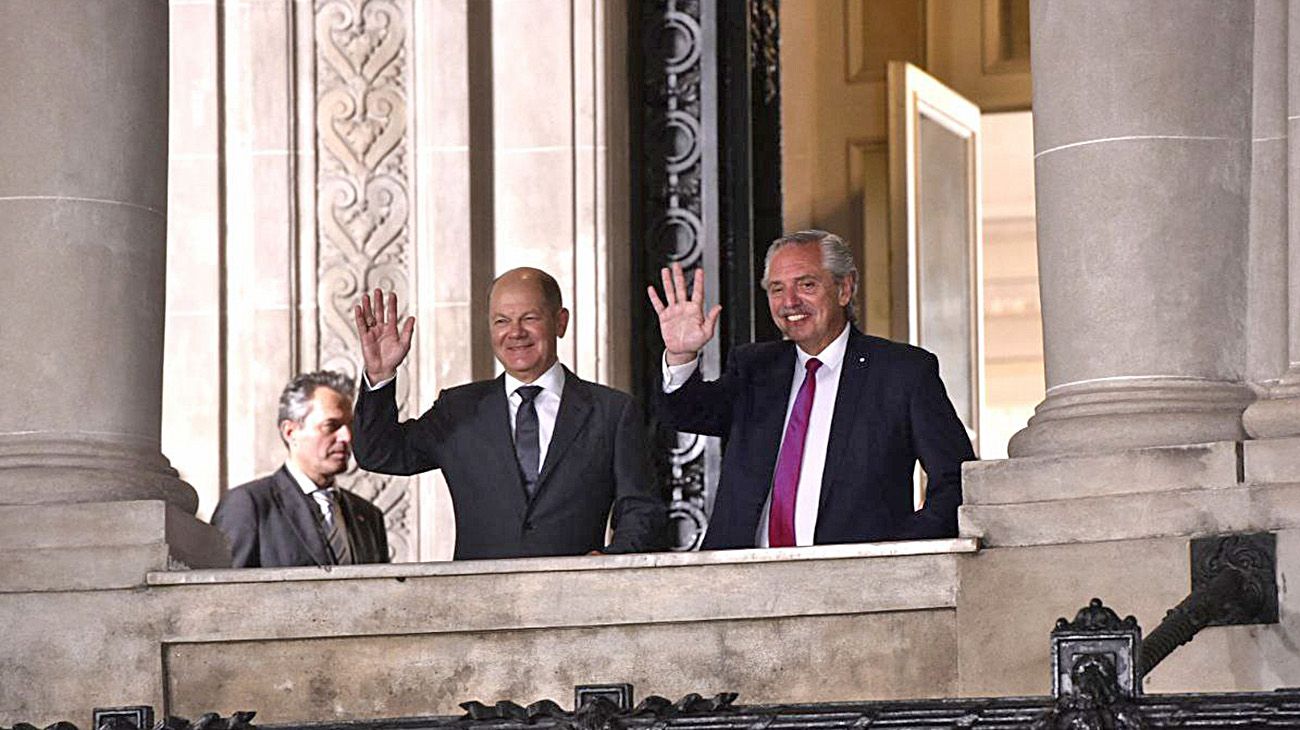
595	390
890	351
760	352
470	392
359	502
257	488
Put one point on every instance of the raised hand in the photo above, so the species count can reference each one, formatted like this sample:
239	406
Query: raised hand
685	327
383	345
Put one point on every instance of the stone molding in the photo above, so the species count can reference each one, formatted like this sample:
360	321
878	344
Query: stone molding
54	467
1193	490
1124	413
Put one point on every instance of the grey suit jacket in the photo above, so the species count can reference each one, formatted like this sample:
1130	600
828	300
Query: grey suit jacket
596	469
271	523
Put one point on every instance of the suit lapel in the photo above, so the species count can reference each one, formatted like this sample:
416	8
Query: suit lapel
296	508
492	418
575	408
771	400
853	380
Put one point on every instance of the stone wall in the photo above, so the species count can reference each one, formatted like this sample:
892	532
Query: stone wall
322	148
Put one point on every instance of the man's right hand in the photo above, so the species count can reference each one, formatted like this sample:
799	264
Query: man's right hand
682	322
383	346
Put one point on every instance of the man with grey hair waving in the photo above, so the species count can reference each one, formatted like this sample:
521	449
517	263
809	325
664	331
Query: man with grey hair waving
297	516
823	431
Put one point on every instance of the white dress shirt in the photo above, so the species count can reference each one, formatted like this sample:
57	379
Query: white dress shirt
819	431
547	403
311	489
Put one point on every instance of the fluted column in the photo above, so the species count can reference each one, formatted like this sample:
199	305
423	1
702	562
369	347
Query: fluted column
1277	412
83	191
1142	136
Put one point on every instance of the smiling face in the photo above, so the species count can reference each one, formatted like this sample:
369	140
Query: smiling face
322	442
524	324
805	301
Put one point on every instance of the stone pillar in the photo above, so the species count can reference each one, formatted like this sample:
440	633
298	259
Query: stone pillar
1277	412
1143	164
83	190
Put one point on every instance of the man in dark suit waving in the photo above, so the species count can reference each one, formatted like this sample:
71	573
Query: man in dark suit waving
297	516
537	460
823	430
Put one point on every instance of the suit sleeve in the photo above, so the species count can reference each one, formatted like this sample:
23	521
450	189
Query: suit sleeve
700	406
236	517
382	444
380	534
942	445
639	513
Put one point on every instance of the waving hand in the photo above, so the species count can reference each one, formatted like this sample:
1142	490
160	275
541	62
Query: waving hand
383	345
682	321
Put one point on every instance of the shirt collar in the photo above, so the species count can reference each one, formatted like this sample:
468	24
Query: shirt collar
832	356
300	477
551	381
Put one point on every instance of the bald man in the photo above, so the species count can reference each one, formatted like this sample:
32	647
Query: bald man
537	460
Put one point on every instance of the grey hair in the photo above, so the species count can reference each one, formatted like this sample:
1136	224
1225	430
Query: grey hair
837	258
295	399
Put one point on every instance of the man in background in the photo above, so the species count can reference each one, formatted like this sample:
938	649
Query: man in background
298	516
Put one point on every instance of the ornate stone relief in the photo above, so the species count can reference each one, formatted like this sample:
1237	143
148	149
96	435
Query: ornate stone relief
362	201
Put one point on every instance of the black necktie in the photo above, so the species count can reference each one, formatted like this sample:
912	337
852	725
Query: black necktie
528	447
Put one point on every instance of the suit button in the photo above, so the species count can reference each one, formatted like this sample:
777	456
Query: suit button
528	526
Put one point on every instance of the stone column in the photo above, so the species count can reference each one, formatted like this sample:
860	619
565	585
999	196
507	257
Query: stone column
1277	412
83	190
1142	127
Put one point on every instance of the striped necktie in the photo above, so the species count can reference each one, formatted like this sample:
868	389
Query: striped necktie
336	532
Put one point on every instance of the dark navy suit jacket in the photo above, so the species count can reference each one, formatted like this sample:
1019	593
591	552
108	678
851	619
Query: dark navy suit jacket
596	469
270	522
891	410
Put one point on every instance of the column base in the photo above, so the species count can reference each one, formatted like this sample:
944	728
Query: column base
44	468
1201	489
101	545
1129	413
1277	412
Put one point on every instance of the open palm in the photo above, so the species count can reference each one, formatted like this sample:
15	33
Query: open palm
685	327
383	345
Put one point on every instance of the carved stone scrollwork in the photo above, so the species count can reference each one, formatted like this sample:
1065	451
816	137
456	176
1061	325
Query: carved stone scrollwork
363	204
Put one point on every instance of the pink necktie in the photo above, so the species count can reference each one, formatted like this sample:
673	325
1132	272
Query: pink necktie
785	483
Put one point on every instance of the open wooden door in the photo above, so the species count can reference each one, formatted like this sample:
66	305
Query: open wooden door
935	232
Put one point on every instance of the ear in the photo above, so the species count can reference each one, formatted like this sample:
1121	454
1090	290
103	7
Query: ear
287	430
561	322
847	285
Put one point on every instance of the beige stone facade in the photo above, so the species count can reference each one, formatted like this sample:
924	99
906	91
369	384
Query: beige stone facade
321	149
311	149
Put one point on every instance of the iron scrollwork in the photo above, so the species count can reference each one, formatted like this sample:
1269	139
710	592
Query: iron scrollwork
673	42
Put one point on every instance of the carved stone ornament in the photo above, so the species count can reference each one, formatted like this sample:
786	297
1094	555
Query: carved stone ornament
362	202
